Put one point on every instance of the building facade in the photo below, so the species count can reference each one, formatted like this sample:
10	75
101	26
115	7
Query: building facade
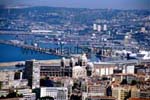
32	73
58	93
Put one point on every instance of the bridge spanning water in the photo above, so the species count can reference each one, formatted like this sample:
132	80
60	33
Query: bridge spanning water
62	52
35	48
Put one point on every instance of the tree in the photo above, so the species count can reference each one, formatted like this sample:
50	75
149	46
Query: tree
20	95
75	85
75	97
12	95
128	95
134	82
124	82
2	97
1	85
47	98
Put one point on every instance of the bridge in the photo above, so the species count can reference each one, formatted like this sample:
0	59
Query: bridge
58	52
35	48
102	46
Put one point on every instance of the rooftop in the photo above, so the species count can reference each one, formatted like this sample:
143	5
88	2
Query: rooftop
102	97
11	68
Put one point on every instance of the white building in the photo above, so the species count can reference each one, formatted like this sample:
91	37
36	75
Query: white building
104	68
105	27
79	72
144	55
27	94
82	60
58	93
99	28
143	29
129	69
95	27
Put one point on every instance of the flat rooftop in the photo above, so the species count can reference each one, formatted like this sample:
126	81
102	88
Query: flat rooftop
11	68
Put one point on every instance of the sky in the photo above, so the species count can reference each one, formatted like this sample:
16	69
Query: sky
110	4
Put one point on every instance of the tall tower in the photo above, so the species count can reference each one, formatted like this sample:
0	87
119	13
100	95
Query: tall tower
94	27
89	69
99	28
143	29
32	73
82	61
63	65
105	27
127	38
63	62
72	62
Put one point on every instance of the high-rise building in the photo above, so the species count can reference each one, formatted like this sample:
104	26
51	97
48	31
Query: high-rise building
32	73
95	27
143	29
127	38
99	28
105	27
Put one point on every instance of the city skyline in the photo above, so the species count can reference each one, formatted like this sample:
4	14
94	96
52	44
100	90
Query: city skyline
74	50
94	4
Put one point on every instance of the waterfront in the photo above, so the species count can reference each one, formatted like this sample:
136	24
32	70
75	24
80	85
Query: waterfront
62	53
20	54
10	53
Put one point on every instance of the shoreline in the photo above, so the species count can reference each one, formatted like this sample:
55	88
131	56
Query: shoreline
5	64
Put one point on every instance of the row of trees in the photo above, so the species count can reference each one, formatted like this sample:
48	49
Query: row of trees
47	98
124	82
12	95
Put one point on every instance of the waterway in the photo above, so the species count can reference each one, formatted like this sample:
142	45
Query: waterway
10	53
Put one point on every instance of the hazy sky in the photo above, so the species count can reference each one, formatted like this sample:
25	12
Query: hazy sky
117	4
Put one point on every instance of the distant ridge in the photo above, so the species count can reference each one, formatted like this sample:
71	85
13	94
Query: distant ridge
54	7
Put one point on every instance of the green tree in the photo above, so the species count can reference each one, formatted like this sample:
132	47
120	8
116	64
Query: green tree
134	82
124	82
128	95
2	97
47	98
1	84
12	95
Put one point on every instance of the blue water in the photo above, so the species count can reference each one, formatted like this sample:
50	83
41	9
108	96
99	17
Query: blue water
10	53
7	37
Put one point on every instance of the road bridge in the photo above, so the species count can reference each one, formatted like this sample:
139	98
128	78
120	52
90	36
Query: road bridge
35	48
